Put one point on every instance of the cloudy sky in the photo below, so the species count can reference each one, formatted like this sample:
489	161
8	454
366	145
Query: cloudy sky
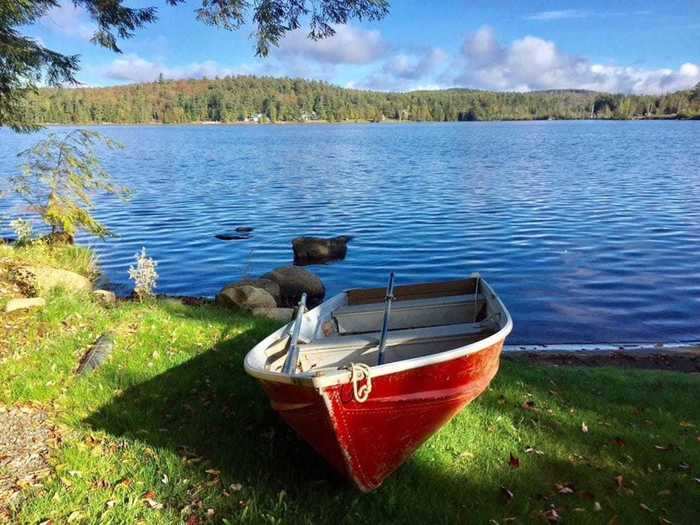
626	46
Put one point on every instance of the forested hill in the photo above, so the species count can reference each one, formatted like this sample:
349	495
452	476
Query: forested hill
266	99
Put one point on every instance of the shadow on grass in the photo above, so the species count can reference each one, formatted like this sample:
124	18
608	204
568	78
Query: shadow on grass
209	407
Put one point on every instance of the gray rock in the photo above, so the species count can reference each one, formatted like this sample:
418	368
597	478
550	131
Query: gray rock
38	280
24	304
294	281
315	249
268	285
246	297
276	314
105	296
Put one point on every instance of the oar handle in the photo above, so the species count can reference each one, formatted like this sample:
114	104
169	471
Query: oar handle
290	364
387	312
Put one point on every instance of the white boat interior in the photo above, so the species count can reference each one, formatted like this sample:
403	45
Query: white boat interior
425	321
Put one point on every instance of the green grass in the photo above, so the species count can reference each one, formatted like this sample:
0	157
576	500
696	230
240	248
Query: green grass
74	258
172	427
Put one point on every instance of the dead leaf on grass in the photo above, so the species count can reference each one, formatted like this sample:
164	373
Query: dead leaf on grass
584	427
507	493
514	461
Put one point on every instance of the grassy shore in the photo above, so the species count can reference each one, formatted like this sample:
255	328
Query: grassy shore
172	430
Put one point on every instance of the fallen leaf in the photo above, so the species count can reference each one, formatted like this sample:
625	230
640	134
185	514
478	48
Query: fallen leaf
213	471
235	487
619	442
664	493
644	507
619	481
193	520
150	499
532	450
584	427
663	448
665	521
686	424
597	507
552	516
514	462
564	488
506	493
529	405
684	466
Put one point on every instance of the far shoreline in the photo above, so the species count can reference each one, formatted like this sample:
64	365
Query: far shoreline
358	121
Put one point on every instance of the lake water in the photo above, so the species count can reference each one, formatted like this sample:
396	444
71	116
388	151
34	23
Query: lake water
590	231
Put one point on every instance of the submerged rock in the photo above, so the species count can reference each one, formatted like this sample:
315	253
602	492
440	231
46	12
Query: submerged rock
245	297
24	304
308	250
244	229
38	280
232	237
294	281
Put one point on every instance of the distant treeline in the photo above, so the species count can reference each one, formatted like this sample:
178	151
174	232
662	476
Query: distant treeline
266	99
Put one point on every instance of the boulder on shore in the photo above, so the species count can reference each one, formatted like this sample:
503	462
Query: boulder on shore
268	285
309	250
105	296
245	297
24	304
294	281
276	314
38	280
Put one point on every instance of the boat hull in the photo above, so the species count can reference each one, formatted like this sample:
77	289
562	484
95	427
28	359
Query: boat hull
368	441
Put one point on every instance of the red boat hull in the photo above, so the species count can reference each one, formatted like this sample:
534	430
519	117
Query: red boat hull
368	441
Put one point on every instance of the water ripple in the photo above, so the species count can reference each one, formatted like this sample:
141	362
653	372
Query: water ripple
589	230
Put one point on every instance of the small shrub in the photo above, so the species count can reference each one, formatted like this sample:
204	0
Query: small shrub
23	230
144	275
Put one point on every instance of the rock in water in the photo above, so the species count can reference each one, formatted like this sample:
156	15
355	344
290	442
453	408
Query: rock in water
38	280
97	355
244	229
233	236
294	281
24	304
309	250
246	297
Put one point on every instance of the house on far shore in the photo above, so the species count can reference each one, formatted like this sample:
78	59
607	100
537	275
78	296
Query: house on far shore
308	116
257	118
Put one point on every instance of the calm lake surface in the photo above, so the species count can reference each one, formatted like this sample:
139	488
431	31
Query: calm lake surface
590	231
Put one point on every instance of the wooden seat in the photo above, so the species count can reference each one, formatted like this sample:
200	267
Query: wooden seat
407	314
398	337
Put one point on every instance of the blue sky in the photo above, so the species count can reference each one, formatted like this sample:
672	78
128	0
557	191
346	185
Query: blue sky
626	46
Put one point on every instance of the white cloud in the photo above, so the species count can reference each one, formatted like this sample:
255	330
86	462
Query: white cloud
133	68
546	16
532	63
404	71
69	20
349	45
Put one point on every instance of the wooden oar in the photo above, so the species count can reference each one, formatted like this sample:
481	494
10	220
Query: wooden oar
387	312
290	364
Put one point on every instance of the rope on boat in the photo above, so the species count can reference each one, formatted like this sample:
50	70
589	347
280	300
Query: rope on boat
360	372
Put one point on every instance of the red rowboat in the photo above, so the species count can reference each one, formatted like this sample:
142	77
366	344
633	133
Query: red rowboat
438	345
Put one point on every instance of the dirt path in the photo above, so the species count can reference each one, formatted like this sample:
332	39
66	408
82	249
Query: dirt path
26	436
